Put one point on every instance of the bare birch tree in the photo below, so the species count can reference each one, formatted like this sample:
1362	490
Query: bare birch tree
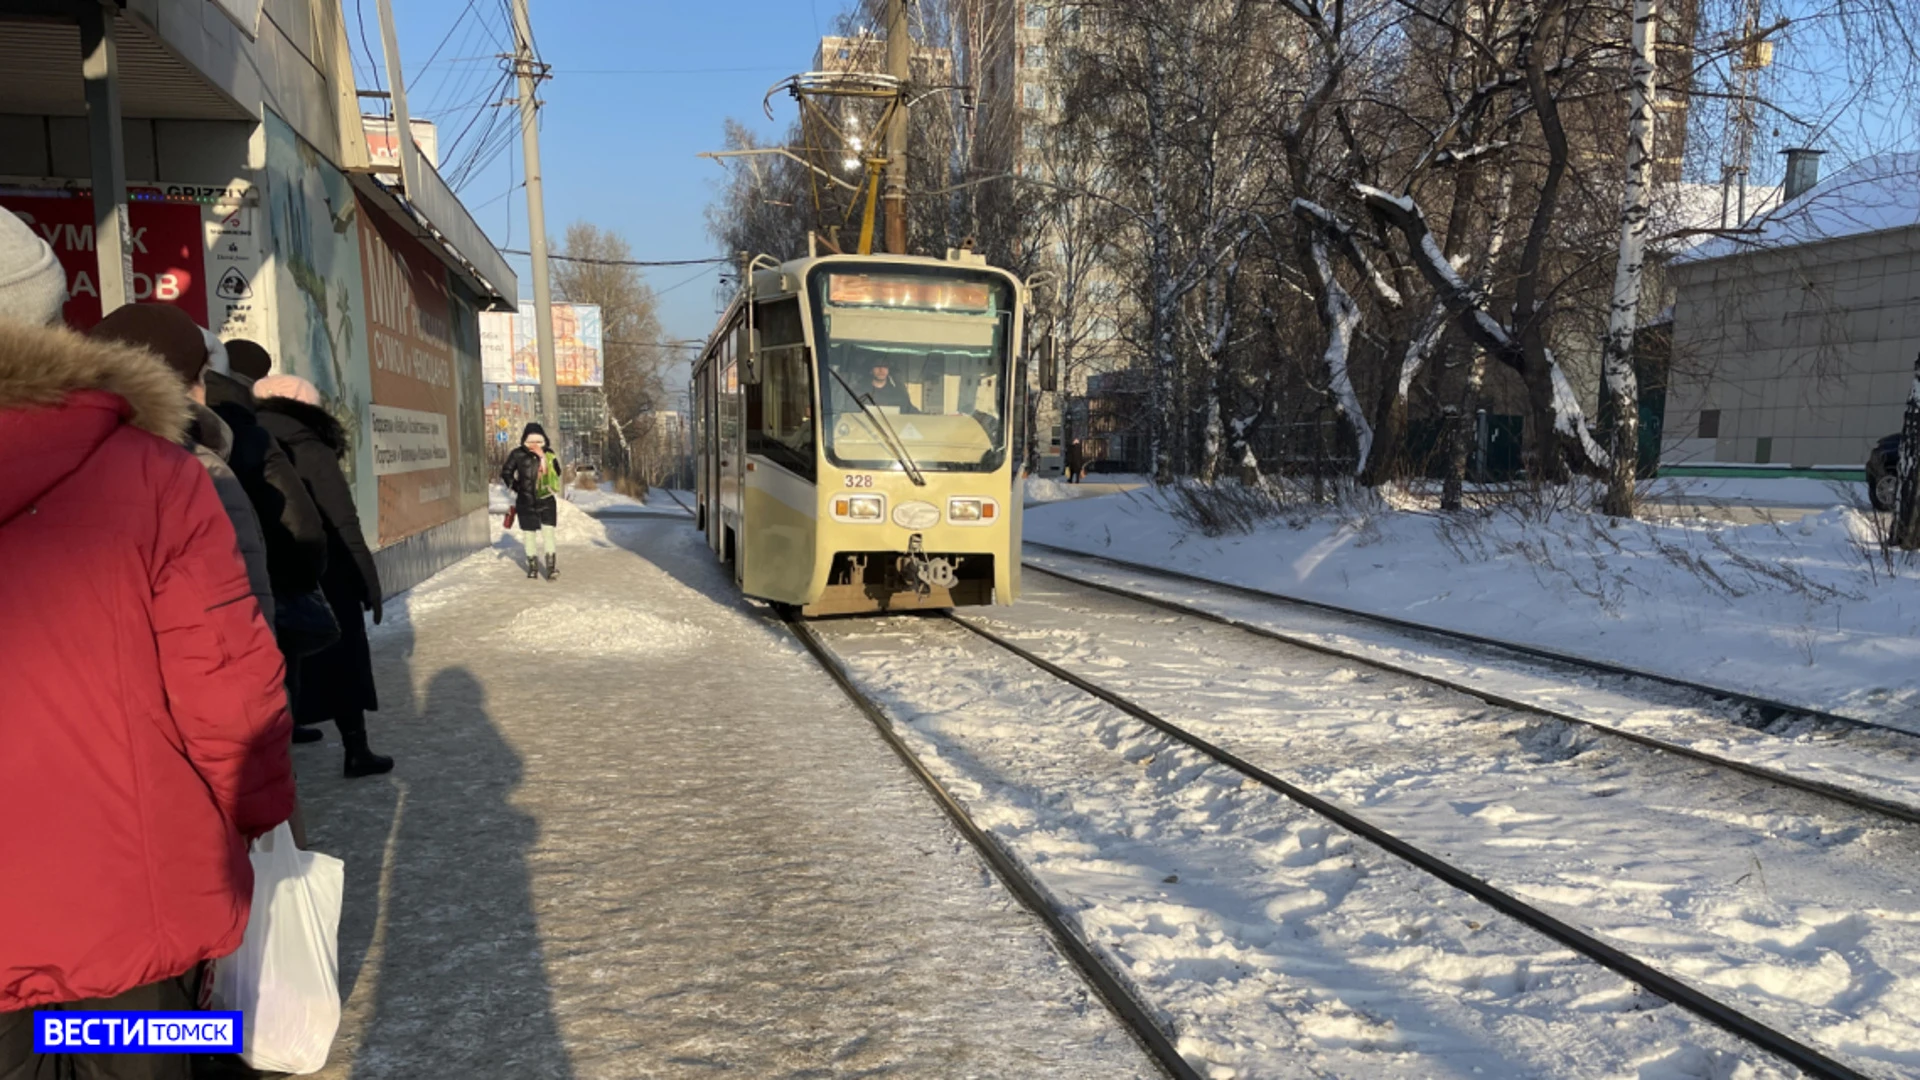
1617	374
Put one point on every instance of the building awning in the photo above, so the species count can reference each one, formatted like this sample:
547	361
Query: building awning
40	69
434	214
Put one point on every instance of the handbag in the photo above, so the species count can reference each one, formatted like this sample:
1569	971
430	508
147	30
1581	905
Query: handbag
510	511
285	977
305	623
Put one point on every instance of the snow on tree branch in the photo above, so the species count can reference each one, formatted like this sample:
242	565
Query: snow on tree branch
1342	316
1341	233
1570	419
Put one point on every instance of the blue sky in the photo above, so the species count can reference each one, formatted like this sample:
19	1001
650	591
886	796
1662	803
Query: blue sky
638	89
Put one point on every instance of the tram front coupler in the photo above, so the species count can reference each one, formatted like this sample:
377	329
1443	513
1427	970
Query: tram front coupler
925	572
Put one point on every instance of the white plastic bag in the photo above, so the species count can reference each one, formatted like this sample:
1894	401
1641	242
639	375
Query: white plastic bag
285	977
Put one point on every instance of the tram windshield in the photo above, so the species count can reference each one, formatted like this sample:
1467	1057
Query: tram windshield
916	359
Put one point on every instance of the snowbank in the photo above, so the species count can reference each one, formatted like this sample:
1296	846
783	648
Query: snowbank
1785	491
1801	612
602	498
1040	489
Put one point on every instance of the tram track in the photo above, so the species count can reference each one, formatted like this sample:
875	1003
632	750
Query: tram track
1132	1013
1907	812
1809	1059
1765	710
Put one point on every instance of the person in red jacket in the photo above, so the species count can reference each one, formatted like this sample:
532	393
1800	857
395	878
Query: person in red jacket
143	725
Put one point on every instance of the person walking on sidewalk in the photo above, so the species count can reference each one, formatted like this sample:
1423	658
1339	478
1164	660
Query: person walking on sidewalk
144	727
335	683
532	476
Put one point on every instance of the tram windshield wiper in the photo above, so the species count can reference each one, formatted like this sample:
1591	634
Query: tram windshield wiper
890	438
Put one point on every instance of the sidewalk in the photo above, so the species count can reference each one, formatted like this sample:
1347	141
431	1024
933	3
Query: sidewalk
633	832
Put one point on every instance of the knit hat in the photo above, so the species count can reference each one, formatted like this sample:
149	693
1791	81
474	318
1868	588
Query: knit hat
216	351
33	287
291	387
162	329
531	430
247	360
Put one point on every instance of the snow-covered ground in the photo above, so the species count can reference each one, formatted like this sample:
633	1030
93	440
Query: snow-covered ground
635	832
1277	945
1788	906
1803	612
1757	491
1877	764
604	498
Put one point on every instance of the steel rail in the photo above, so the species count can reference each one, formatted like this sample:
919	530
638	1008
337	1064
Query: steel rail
1768	709
1132	1013
1857	799
1803	1057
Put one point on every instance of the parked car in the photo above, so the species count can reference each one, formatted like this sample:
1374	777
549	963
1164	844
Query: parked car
1883	472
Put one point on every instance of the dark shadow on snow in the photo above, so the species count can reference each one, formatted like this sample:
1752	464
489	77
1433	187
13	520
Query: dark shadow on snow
460	985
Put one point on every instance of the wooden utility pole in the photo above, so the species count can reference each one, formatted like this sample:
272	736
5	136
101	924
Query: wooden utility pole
900	66
531	72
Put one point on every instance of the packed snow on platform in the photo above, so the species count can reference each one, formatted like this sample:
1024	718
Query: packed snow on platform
1804	612
635	832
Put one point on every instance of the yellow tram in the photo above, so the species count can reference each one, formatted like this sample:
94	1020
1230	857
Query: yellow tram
857	433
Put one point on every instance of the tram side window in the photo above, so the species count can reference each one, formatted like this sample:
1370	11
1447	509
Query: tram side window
728	390
780	410
779	323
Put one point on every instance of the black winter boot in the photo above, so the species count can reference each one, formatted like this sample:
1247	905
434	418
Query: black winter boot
533	565
361	760
553	571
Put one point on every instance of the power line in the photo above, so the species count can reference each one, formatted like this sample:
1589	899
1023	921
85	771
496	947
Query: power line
373	66
628	262
696	277
677	71
462	17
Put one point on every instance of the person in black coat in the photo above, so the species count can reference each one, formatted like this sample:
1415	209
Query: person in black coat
296	532
337	682
531	474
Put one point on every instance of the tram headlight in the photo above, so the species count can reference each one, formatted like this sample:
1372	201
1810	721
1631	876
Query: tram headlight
860	508
971	511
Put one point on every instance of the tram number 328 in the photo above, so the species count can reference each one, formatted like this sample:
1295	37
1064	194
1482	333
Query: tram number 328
859	480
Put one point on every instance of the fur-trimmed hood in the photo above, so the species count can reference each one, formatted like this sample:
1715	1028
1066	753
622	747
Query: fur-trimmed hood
209	431
63	395
41	365
316	420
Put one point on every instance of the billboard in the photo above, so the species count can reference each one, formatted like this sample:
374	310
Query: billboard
169	259
194	247
384	149
509	354
415	395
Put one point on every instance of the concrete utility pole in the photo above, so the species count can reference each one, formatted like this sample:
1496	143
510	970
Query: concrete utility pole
900	66
100	67
531	74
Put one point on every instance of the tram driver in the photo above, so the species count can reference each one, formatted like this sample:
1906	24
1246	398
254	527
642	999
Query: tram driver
876	387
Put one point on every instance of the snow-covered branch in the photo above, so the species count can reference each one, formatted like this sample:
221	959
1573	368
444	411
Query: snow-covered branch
1341	316
1341	233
